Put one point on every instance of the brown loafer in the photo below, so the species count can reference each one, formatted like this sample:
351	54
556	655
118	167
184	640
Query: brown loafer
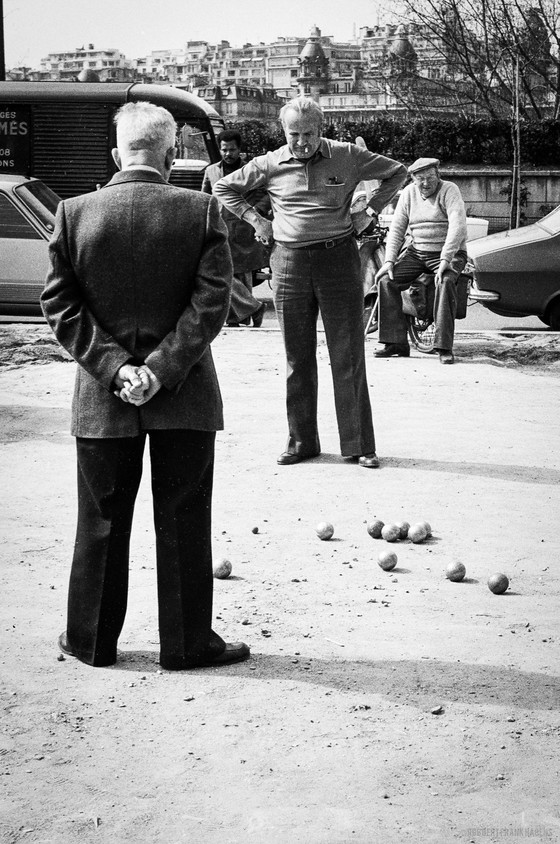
369	461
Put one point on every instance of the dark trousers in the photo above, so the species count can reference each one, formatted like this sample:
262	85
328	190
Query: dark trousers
411	264
242	303
306	281
109	472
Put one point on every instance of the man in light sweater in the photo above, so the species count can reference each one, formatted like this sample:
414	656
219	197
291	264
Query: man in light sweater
432	212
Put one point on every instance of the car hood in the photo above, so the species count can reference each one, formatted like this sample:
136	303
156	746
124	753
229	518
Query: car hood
507	240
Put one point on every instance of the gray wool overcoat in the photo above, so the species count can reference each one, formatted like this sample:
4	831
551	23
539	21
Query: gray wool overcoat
140	272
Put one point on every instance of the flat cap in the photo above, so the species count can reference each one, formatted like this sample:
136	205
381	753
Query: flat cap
423	164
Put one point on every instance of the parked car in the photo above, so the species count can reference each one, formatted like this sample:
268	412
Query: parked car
27	212
517	272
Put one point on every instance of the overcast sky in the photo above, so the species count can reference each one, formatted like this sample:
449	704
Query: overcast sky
35	28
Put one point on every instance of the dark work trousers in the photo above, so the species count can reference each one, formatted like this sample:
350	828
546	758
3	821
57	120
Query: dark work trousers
243	304
109	472
392	322
306	281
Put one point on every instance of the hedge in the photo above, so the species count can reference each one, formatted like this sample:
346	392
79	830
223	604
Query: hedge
461	141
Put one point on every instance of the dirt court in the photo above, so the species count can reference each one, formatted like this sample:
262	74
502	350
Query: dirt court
378	707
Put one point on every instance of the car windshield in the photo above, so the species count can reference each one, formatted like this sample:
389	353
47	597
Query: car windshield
41	201
551	222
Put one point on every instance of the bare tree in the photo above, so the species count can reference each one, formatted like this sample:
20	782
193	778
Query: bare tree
476	46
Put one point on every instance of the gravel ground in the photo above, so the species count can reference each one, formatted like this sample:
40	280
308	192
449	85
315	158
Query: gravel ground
378	707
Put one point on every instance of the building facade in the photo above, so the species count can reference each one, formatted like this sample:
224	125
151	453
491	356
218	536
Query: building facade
109	64
386	68
237	103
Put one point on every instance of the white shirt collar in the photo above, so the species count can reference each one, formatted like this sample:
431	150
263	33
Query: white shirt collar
141	167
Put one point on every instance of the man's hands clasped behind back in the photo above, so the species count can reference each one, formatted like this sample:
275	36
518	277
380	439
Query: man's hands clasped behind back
136	384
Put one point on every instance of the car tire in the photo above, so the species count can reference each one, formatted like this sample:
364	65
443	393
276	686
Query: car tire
552	315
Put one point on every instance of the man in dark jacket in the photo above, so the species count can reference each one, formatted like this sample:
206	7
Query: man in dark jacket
138	288
247	253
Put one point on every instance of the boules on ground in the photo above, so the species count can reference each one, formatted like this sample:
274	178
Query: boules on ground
374	528
428	527
222	569
324	530
417	533
390	532
403	529
387	560
498	583
455	572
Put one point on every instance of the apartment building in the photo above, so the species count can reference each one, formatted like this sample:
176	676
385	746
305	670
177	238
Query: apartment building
109	64
236	103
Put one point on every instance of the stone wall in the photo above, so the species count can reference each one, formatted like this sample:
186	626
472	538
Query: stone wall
481	188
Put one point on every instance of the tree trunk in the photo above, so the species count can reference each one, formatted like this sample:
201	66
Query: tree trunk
514	216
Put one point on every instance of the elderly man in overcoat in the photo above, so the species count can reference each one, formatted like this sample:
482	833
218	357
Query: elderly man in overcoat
138	287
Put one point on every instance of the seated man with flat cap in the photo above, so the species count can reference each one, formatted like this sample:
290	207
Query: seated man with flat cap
431	215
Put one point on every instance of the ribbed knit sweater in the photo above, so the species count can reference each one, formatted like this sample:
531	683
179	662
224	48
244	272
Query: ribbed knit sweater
436	224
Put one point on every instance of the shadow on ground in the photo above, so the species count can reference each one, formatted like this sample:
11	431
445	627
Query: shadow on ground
410	682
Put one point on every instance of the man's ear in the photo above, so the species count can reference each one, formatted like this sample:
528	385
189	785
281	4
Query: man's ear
170	157
116	158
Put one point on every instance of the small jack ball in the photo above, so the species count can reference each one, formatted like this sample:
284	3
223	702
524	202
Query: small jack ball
324	530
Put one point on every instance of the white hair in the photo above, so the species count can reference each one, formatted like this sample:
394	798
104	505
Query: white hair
145	126
303	107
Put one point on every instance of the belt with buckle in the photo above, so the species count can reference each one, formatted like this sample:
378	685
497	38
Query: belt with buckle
321	244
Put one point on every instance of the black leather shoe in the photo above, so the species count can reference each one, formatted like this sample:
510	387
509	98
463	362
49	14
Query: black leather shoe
446	356
370	461
218	653
233	652
65	646
287	458
259	315
393	350
67	650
